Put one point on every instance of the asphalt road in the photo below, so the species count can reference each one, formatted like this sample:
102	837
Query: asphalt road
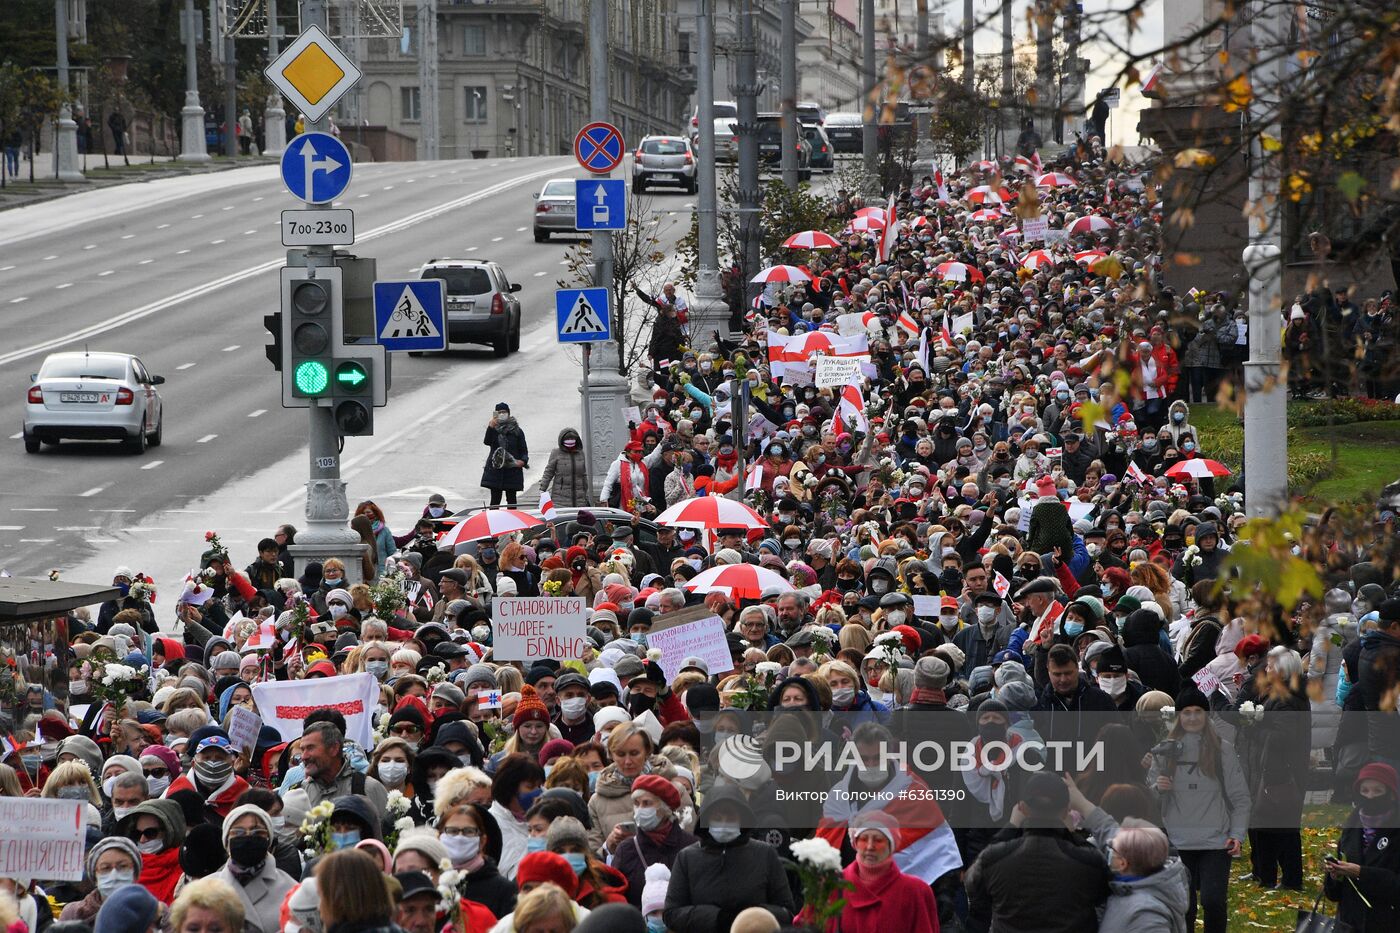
180	272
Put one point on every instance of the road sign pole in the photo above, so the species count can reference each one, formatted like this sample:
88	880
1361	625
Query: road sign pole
587	434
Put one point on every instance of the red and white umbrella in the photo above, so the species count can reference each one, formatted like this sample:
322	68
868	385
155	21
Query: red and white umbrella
812	239
1089	255
1055	180
877	212
920	222
986	214
1200	468
959	272
986	194
741	581
1091	224
986	165
489	523
781	274
711	512
866	224
1037	258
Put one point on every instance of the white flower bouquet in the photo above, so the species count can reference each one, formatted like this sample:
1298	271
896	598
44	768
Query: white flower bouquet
818	865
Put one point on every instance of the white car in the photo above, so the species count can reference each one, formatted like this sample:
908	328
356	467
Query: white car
93	396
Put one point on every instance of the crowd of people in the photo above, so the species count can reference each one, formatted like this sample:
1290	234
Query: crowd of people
1002	535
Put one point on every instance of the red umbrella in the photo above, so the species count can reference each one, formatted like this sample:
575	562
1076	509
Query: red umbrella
986	194
781	274
866	224
741	581
959	272
812	239
1200	467
1055	180
1037	258
811	342
1091	224
712	512
877	212
489	523
985	214
1089	255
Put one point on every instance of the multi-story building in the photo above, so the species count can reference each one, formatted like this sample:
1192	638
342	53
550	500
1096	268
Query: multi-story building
828	58
512	75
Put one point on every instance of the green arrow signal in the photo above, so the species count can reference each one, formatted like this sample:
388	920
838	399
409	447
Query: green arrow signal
352	376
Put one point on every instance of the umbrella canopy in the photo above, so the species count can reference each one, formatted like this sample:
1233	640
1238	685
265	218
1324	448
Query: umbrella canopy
866	224
918	223
1091	224
489	523
812	239
781	274
1055	180
741	581
986	213
1089	255
711	512
986	165
959	272
986	194
1199	468
877	212
1037	258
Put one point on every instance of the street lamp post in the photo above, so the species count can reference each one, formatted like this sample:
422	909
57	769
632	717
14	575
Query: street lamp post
192	148
709	309
274	117
65	130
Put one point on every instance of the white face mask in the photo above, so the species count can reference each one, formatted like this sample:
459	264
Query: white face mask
879	587
724	832
895	617
461	849
158	785
150	847
337	611
986	614
647	818
948	622
119	813
843	696
573	707
1113	685
393	773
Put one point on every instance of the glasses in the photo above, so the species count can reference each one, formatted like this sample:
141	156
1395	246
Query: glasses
405	729
463	831
157	772
241	833
151	832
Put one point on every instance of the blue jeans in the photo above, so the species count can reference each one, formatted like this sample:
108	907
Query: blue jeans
12	160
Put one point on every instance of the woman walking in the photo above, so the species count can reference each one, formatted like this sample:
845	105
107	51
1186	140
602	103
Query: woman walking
504	472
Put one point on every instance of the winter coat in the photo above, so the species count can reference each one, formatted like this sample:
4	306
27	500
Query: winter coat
1274	753
509	456
262	895
1142	649
712	882
1039	879
611	802
1378	673
895	901
564	476
642	850
1203	351
1201	811
488	886
1152	904
514	836
1059	719
1379	882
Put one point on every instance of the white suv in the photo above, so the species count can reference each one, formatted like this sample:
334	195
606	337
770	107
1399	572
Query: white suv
481	303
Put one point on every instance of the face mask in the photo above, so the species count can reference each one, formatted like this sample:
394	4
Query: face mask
393	773
120	813
640	638
1375	806
991	732
528	798
647	818
346	840
481	633
896	617
706	366
110	881
843	696
1074	629
334	581
577	861
535	844
380	669
279	822
1188	446
847	584
150	846
337	611
157	786
1113	686
107	786
879	587
793	543
593	780
78	688
213	772
436	511
986	614
574	707
873	777
1178	416
948	622
248	851
656	925
73	792
1149	444
462	849
724	833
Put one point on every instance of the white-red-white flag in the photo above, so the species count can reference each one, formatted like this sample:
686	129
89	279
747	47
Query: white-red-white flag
1000	585
547	509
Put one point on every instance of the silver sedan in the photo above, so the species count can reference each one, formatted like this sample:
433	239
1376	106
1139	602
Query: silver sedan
93	396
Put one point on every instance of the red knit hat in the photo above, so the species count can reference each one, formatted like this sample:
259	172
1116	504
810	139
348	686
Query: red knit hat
1251	645
546	866
1376	771
530	708
660	788
910	637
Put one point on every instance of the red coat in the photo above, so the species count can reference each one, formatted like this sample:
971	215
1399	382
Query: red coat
1168	369
221	803
895	902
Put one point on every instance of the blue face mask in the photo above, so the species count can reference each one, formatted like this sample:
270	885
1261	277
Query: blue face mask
577	861
535	844
593	780
656	925
345	840
1074	629
528	798
640	638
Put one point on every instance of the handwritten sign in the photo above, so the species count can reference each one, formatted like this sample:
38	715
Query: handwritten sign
243	728
702	638
1206	681
927	607
1034	229
532	628
837	371
41	838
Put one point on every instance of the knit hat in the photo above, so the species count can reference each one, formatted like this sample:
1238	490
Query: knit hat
658	880
106	844
553	749
1251	646
954	655
530	708
878	821
423	841
566	831
1045	488
931	673
482	674
609	716
1376	771
546	866
128	909
660	788
238	812
451	693
1127	605
1111	661
1192	696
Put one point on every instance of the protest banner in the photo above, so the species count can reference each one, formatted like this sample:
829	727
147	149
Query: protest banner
1034	229
700	638
837	371
532	628
243	727
284	704
42	838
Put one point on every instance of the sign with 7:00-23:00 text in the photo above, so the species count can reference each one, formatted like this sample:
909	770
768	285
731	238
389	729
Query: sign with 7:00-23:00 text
318	228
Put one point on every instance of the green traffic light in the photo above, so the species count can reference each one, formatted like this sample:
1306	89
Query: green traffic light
311	377
350	375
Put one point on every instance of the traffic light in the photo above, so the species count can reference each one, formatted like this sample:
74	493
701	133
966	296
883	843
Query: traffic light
311	307
273	323
352	392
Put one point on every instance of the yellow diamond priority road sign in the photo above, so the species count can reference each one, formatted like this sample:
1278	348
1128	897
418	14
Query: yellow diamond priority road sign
313	73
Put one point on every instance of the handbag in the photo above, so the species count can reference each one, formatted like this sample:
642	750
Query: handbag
1314	921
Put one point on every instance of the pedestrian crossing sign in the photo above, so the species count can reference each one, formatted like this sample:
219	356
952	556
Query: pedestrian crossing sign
410	315
583	314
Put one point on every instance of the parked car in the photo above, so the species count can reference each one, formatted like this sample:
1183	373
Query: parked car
554	209
770	145
93	396
809	111
726	141
844	130
723	108
822	159
481	303
663	160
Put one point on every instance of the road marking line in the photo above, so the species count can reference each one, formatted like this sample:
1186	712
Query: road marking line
215	242
17	435
80	527
181	252
471	249
336	203
247	232
92	492
229	207
127	236
153	464
563	262
497	239
162	226
521	229
108	272
257	199
184	366
34	510
147	262
6	268
220	284
387	188
539	274
15	301
410	181
90	246
47	258
206	438
230	349
36	540
259	412
12	527
362	196
64	285
115	510
196	216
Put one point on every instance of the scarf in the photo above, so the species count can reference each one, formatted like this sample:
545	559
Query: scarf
628	499
985	782
160	873
928	695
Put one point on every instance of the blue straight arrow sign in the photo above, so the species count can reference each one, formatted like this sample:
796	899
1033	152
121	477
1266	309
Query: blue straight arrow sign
600	204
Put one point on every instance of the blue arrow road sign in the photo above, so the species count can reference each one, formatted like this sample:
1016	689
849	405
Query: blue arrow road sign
316	167
410	315
600	204
583	315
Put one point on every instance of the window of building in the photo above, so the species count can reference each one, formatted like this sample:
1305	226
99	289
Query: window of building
411	103
473	40
408	42
476	103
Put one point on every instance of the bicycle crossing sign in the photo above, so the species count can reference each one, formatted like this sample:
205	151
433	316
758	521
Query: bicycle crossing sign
583	315
411	315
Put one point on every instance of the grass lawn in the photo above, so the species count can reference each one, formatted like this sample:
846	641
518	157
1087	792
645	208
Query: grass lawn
1253	908
1368	453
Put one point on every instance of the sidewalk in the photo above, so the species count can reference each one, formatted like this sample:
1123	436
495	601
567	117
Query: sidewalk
19	191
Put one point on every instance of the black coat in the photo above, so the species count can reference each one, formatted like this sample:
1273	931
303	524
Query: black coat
1379	882
1039	879
634	855
509	456
1142	650
711	883
1379	671
488	886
